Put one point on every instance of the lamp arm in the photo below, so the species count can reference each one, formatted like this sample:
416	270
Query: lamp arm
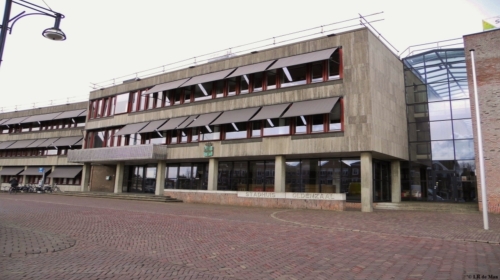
25	15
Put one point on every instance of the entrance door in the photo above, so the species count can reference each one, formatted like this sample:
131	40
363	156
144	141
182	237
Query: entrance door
141	179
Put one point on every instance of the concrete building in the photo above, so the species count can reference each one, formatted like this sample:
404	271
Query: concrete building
34	145
325	123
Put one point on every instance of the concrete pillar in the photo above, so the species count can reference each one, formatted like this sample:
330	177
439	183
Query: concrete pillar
85	187
24	177
120	167
160	177
366	182
396	181
279	174
51	171
213	173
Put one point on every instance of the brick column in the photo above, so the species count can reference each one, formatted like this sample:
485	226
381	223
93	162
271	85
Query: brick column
86	177
213	171
160	178
395	181
279	174
366	182
119	177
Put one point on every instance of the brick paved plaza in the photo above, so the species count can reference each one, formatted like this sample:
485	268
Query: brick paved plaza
60	237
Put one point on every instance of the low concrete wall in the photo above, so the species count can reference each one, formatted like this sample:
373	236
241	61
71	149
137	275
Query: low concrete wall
248	199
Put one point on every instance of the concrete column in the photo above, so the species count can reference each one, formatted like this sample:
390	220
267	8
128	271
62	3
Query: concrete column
213	172
24	177
279	174
85	187
366	182
396	181
160	177
120	167
52	170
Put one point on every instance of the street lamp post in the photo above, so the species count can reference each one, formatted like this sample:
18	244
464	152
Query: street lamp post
53	33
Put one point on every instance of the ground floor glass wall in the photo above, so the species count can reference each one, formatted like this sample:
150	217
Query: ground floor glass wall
186	176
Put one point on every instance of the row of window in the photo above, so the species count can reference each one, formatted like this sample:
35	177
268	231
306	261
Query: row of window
36	152
251	129
44	125
48	181
272	79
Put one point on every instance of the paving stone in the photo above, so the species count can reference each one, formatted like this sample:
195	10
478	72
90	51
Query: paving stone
64	237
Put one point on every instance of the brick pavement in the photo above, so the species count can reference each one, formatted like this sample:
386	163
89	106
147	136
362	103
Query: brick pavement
89	238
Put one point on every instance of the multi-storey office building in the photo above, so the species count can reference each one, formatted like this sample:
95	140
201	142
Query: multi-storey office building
34	145
300	125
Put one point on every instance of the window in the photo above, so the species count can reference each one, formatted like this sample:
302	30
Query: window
176	96
317	72
335	117
231	86
236	130
317	122
256	129
122	103
294	75
112	101
165	101
244	84
152	97
271	79
276	127
219	89
105	103
143	99
335	65
209	132
300	125
203	91
258	80
133	101
135	139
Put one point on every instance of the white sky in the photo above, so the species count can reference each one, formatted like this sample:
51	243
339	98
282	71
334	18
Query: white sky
111	38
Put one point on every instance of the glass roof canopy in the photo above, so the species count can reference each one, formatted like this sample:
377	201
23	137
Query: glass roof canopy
443	70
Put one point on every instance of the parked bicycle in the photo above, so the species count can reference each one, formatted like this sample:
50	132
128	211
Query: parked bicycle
14	189
56	189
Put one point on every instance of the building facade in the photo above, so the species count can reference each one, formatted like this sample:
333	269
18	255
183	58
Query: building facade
34	145
322	119
314	124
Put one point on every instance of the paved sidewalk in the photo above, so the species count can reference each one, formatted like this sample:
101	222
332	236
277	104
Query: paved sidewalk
58	237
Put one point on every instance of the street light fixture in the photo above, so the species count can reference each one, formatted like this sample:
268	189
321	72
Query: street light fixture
52	33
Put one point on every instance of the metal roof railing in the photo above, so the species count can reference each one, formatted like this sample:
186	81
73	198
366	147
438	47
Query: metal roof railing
446	44
48	103
328	29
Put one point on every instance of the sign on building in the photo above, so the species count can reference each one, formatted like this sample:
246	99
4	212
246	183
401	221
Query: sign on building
209	150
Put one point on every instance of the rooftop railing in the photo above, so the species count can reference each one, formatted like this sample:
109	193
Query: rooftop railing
446	44
48	103
310	33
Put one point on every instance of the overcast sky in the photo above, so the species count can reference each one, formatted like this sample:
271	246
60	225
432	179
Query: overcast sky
111	38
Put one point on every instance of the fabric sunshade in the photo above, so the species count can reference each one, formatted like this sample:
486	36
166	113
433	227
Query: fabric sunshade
131	128
70	114
167	86
311	107
65	172
2	121
270	112
248	69
21	144
236	116
187	122
152	126
204	119
67	141
172	123
15	121
48	142
40	118
33	171
11	170
36	143
208	77
4	145
303	58
79	143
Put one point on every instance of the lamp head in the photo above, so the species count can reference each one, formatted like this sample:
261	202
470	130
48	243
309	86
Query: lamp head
55	33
